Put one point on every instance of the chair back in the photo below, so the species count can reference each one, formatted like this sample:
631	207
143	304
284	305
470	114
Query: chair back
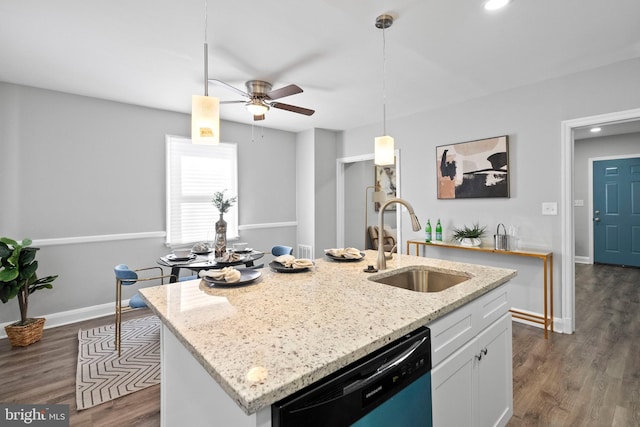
125	274
281	250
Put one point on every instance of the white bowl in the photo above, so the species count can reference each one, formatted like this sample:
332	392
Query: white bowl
239	247
181	253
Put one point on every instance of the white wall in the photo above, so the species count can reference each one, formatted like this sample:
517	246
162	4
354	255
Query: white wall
73	166
589	148
531	116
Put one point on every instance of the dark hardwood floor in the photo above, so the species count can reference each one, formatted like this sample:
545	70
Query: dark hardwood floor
590	378
45	373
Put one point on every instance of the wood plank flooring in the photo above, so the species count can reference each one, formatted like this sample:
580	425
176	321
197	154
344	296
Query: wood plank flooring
45	373
590	378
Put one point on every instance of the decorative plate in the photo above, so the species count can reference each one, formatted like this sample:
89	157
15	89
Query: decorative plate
282	269
341	259
247	275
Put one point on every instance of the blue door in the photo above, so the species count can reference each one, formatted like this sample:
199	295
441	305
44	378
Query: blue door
616	205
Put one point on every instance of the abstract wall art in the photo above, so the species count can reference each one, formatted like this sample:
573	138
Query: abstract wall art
473	169
386	182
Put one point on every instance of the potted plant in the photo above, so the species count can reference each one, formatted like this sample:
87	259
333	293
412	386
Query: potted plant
469	236
18	279
222	204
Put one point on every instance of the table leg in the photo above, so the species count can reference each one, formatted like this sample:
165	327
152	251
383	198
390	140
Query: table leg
551	287
546	316
175	273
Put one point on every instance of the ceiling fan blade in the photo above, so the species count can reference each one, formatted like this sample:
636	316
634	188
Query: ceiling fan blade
260	117
293	108
228	86
234	102
284	91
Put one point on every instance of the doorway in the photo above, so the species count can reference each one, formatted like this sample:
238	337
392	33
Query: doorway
352	181
567	211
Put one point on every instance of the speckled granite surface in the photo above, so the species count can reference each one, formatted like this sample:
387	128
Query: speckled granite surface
263	341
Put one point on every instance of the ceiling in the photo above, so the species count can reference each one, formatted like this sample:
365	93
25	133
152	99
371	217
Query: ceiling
150	52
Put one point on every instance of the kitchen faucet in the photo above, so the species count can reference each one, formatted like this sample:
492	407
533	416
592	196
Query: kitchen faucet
415	223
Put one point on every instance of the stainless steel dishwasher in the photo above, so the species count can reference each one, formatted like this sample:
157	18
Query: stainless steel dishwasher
390	387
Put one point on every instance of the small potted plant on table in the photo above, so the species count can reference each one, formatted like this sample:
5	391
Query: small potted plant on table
469	236
18	279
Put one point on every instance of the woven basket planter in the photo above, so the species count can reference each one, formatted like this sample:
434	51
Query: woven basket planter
22	336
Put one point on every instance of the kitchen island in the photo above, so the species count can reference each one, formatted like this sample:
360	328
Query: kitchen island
256	344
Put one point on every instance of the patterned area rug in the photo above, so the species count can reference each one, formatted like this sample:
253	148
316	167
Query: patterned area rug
102	375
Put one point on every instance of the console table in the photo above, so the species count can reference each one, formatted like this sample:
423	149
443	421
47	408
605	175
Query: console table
547	263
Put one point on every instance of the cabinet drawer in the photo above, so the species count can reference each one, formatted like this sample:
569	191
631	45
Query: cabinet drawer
450	332
453	330
491	307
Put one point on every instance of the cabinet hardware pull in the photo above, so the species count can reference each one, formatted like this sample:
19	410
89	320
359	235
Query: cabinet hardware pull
479	356
484	351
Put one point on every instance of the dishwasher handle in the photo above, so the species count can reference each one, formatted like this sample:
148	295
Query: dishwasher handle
357	385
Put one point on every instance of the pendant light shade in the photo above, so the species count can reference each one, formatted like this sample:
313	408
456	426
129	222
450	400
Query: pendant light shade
384	151
205	110
384	145
205	120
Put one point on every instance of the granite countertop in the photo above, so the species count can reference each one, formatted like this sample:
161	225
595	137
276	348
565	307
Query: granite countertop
264	341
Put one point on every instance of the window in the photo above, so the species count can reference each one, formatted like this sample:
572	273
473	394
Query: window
194	173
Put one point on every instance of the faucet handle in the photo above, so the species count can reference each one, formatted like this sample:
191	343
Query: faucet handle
390	256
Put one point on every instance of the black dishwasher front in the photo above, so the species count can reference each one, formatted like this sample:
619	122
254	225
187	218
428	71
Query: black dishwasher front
390	387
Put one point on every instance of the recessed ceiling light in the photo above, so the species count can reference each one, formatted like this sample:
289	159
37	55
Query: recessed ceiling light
495	4
594	130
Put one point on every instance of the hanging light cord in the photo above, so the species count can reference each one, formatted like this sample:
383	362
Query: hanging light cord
384	87
206	53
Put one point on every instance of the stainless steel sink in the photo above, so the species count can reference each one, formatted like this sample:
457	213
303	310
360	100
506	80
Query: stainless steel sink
422	279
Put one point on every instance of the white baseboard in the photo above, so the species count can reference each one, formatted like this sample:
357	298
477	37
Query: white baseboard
74	316
582	260
557	322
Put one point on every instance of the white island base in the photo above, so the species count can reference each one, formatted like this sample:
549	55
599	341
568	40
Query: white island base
190	397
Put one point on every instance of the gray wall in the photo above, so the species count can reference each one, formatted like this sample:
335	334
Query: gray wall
316	190
73	166
532	117
585	149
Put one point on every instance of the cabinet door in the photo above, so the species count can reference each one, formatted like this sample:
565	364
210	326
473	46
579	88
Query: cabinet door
454	388
495	383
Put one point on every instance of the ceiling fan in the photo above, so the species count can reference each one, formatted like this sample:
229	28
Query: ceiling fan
260	97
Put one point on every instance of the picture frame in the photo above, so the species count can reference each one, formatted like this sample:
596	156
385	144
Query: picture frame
473	169
385	179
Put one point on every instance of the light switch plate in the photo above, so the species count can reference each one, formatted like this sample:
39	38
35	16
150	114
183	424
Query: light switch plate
549	208
578	202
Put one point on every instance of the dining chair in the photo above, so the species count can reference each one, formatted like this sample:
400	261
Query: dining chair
127	277
281	250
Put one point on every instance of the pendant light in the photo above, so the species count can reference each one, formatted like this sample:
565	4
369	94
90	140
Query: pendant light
205	110
384	145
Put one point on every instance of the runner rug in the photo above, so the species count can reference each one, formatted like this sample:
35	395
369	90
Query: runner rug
102	375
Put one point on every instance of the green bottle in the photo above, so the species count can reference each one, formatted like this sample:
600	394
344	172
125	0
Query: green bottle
427	231
439	231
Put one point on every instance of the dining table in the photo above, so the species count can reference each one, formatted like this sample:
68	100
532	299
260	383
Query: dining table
206	261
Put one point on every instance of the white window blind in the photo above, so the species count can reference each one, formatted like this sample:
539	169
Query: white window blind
194	173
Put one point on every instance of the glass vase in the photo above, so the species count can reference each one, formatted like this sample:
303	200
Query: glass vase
221	237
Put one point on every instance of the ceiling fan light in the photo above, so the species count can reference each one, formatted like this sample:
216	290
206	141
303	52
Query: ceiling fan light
205	120
384	151
257	108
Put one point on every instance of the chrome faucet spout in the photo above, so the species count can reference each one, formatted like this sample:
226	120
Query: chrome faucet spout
415	224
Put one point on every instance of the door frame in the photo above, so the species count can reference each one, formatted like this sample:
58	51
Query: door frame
340	183
590	236
567	144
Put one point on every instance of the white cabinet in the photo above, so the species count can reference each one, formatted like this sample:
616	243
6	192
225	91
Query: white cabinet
472	381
